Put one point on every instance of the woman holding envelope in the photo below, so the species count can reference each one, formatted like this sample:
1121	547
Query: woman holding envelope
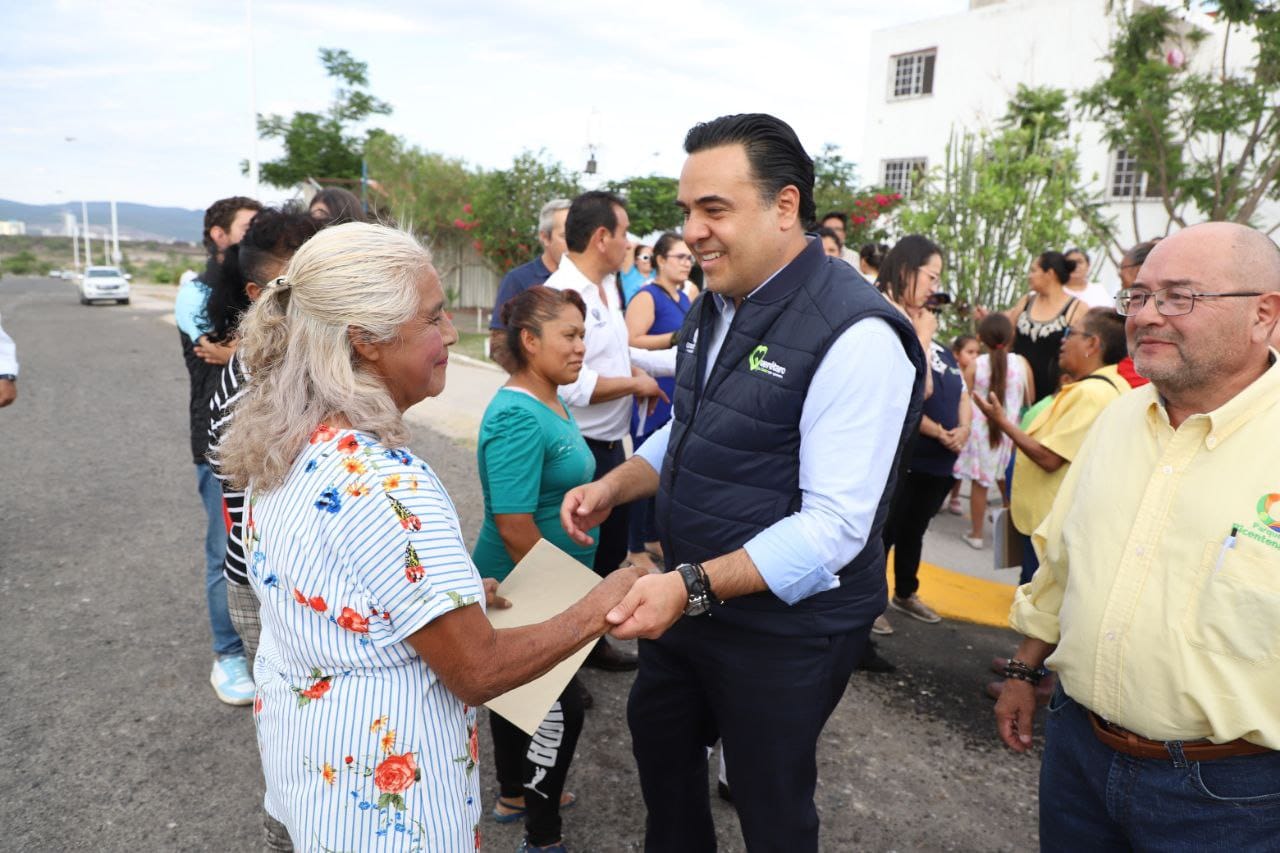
530	455
375	646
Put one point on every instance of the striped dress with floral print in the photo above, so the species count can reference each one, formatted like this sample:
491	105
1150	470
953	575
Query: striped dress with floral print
363	747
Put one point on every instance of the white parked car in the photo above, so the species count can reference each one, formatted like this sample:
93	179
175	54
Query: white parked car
104	283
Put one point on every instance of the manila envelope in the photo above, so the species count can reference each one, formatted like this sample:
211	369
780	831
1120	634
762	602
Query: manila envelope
541	585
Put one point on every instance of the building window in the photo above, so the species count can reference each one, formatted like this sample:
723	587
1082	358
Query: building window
913	74
901	176
1128	181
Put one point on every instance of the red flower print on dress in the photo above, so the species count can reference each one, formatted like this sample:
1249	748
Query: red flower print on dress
328	773
353	621
357	490
257	704
475	744
317	604
323	433
349	444
477	836
318	688
298	596
393	777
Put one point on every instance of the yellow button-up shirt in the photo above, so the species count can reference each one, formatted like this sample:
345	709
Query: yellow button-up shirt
1160	580
1062	427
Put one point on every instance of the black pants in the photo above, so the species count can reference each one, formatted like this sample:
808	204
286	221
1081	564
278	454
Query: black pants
918	498
767	698
535	767
611	543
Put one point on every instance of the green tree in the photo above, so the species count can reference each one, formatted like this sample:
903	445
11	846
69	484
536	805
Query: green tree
835	181
425	192
651	203
1001	197
324	145
1206	135
505	207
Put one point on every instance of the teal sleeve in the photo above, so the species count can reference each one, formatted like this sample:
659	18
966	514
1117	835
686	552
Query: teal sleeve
512	448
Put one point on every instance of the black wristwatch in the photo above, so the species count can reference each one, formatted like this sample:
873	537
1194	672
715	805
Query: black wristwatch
9	376
698	587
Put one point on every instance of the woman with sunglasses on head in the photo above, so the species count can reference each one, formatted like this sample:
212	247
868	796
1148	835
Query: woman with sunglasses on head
655	314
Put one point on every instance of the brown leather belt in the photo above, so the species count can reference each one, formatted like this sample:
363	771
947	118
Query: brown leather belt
1125	741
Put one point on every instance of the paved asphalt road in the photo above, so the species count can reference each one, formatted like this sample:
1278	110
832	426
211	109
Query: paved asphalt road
111	738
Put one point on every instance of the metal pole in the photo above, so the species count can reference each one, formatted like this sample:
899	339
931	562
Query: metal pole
75	243
253	104
88	250
115	235
364	181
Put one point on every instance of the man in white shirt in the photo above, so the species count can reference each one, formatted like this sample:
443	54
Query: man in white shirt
838	221
601	399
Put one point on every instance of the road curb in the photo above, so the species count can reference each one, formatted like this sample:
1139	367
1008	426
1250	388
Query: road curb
955	595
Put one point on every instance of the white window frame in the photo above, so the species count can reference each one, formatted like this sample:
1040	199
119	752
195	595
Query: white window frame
908	167
918	68
1137	183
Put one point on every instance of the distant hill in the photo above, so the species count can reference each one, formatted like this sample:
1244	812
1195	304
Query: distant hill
136	221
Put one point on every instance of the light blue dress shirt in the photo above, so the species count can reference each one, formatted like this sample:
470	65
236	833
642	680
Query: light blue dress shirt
849	429
188	308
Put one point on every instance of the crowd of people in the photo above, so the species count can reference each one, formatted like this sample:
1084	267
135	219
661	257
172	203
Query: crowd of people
736	426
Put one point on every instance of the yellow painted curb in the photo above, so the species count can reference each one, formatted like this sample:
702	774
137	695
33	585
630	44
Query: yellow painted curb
956	595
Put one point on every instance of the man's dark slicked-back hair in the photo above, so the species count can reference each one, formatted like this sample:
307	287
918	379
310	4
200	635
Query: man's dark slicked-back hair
589	211
774	151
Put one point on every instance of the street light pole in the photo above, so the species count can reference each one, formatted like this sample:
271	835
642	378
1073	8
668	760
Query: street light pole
88	249
115	235
253	104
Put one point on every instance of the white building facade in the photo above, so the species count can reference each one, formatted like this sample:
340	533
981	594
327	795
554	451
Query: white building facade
960	71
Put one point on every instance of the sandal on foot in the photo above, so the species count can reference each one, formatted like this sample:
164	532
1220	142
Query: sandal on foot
507	812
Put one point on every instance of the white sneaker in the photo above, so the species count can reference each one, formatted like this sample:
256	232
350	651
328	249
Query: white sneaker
231	681
974	542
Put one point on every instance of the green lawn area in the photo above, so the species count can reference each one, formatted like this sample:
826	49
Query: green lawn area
471	344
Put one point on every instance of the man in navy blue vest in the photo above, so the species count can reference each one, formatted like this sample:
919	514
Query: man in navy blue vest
797	387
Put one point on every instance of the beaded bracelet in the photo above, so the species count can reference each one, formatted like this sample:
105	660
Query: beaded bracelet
1019	670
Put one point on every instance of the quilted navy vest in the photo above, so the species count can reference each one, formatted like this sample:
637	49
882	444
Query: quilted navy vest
732	466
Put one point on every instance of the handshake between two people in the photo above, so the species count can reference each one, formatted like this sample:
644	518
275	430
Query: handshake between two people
642	603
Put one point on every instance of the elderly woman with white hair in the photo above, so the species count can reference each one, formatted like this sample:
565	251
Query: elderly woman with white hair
375	646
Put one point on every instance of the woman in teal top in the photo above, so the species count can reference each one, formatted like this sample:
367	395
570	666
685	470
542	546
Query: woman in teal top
530	454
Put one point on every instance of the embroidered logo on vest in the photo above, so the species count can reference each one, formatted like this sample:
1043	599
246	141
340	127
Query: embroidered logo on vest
758	365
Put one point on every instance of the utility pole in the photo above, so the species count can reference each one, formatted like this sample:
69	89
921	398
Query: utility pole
75	243
88	250
253	104
115	235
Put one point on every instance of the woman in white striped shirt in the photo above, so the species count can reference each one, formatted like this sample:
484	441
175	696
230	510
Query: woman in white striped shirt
375	646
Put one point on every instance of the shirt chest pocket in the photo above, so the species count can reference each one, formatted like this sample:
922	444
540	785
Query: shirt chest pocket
1234	607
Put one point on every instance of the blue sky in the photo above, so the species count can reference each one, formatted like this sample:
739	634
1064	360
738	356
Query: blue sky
155	96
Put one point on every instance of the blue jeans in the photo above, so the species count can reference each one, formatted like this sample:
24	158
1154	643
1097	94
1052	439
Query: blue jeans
225	639
1094	798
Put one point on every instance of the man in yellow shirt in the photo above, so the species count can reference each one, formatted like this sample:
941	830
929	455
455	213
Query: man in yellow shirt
1157	601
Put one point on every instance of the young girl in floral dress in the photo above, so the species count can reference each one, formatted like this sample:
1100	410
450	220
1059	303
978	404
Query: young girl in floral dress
986	454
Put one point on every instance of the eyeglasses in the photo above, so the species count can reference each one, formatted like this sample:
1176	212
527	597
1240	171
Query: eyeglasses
1069	331
680	258
1170	302
643	257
